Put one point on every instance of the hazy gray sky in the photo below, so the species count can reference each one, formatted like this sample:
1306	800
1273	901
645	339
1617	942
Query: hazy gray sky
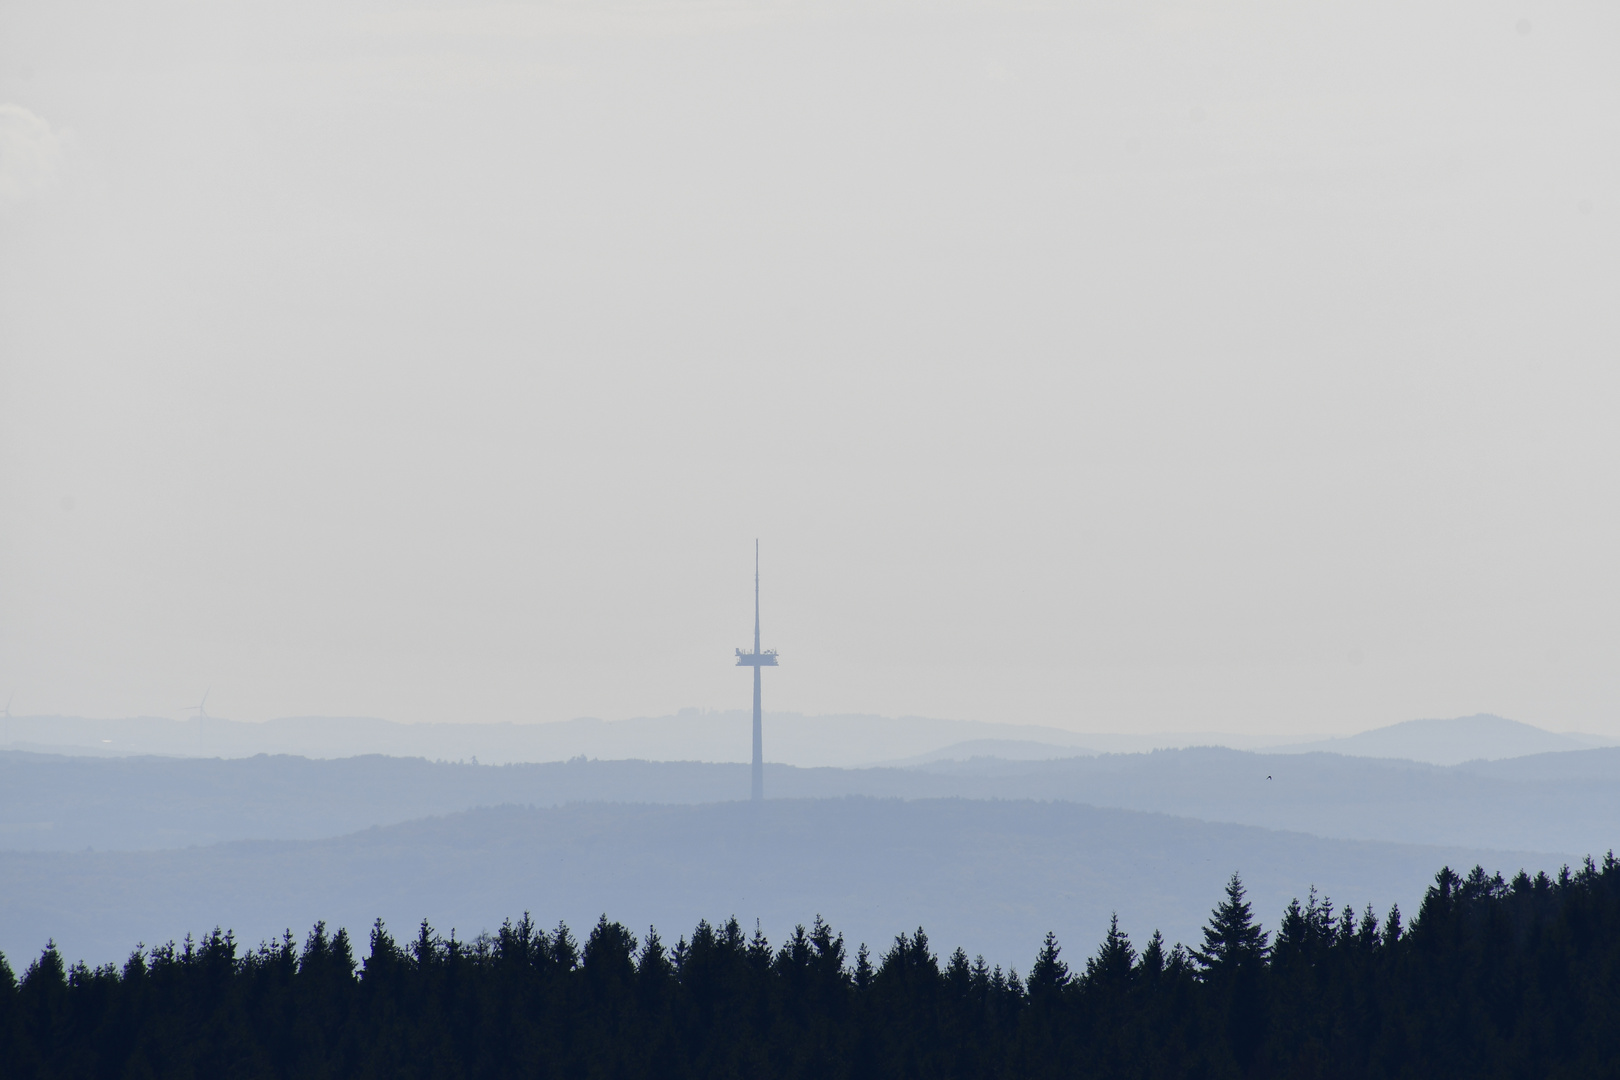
1121	366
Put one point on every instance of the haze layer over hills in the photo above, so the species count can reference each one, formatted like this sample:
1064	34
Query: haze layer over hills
698	735
1567	802
691	735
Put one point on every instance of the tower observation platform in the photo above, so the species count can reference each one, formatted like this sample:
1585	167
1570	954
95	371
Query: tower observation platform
759	658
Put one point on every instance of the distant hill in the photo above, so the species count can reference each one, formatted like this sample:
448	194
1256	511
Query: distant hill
1572	767
989	875
1482	737
690	735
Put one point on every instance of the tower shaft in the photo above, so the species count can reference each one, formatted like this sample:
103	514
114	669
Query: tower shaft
759	744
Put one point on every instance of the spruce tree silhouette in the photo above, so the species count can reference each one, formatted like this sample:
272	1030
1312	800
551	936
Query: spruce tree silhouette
1232	962
1048	975
1114	967
1232	939
1153	961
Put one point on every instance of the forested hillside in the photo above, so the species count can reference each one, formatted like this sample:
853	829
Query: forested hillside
1492	979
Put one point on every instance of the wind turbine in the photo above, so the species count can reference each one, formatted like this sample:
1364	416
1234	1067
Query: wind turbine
201	707
9	700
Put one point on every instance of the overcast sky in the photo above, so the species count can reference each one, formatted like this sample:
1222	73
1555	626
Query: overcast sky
1244	366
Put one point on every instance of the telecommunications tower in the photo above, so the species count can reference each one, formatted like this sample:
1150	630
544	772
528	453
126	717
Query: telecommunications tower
756	660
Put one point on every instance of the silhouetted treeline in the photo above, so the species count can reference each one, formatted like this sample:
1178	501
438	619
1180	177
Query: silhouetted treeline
1492	979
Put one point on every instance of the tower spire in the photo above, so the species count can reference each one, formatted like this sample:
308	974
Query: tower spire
759	658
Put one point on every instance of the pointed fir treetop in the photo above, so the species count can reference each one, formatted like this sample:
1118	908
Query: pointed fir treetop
863	968
1048	975
1153	960
1115	962
1232	938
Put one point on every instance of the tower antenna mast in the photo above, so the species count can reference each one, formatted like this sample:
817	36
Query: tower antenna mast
757	659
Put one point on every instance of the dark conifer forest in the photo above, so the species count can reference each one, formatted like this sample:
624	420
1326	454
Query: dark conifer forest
1491	978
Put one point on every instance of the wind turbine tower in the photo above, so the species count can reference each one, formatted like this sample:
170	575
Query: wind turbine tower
756	660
